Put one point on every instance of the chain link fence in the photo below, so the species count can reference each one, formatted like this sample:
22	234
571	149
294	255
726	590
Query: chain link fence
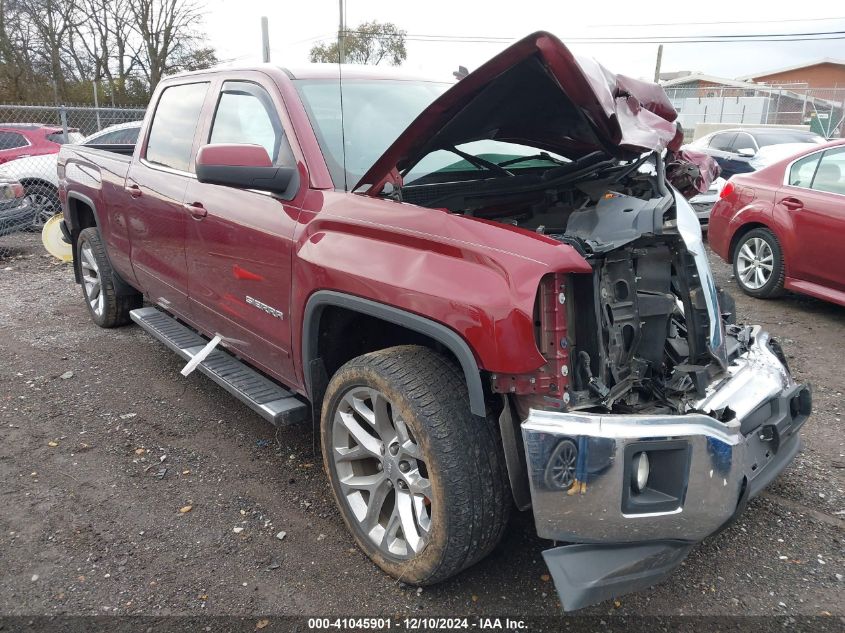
30	138
821	110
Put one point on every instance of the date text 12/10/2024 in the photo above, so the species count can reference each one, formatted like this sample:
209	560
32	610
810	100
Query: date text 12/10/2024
416	623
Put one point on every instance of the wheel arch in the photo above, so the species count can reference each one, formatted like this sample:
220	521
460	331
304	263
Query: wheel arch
742	231
312	325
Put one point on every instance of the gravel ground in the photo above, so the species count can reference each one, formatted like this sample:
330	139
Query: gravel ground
130	490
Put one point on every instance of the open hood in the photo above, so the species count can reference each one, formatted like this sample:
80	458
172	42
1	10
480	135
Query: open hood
537	93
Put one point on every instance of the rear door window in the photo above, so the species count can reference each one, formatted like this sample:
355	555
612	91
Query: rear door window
246	114
802	171
12	140
830	174
174	125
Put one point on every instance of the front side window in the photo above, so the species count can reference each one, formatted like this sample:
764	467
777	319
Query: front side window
742	141
174	126
830	174
802	171
12	140
723	142
246	114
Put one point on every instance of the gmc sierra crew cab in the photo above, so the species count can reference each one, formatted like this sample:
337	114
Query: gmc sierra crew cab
488	295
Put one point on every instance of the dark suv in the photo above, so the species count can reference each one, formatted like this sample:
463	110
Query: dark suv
733	149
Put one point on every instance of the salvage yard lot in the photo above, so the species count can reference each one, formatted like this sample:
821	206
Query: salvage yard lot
123	484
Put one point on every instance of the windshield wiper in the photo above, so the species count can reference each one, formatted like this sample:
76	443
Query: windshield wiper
480	162
541	156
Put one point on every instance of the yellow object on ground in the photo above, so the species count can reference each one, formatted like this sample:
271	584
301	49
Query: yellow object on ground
54	241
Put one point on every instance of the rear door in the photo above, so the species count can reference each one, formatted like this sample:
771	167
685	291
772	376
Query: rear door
154	196
239	242
814	198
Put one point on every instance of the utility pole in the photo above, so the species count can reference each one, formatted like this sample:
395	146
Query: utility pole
341	31
97	107
657	65
265	40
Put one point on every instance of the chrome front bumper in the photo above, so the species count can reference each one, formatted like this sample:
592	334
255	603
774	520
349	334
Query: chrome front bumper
579	464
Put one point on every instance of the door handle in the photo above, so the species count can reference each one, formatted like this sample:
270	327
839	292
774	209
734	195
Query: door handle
133	190
197	211
793	204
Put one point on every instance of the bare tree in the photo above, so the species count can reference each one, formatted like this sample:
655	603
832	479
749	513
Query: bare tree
166	29
370	43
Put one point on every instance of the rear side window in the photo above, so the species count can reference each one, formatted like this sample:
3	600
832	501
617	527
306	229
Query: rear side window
12	140
246	114
174	125
802	171
830	174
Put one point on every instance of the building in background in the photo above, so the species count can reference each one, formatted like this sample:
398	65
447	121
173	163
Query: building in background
817	101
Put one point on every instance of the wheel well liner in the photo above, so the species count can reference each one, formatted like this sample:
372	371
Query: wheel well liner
450	339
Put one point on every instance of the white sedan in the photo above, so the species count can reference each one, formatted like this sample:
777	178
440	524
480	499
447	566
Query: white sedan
38	175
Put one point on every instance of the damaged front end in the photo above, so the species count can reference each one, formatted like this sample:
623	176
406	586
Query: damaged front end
655	417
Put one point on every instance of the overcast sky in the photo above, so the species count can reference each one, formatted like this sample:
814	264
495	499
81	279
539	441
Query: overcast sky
233	28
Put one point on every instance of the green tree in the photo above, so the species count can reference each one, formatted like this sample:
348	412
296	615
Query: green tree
370	43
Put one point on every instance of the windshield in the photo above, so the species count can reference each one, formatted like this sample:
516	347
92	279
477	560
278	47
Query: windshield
492	154
376	112
786	136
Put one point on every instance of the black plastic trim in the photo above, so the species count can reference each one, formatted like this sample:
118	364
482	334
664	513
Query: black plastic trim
585	574
121	287
437	331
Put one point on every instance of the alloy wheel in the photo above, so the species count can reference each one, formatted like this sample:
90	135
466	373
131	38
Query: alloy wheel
91	280
755	263
382	473
45	208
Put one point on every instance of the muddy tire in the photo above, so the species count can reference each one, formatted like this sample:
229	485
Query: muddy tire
107	309
758	264
420	481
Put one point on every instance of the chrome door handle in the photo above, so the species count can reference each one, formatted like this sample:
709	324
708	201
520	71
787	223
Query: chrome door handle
197	211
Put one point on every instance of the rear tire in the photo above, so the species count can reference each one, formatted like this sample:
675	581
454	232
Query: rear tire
107	309
758	264
398	421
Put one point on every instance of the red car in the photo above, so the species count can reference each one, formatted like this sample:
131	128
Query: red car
781	227
512	306
19	140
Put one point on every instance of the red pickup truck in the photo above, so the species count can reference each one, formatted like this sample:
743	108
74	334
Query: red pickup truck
489	294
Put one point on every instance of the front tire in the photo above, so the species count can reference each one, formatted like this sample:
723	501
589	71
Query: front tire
107	309
758	264
44	200
419	480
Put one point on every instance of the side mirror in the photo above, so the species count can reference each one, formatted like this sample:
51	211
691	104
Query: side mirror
242	165
746	152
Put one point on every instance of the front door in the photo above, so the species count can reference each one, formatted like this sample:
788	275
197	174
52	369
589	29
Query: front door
239	242
156	218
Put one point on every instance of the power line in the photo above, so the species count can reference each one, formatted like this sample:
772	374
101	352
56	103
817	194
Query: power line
721	22
640	39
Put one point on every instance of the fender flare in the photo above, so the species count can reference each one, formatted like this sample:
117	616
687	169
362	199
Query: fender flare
432	329
121	287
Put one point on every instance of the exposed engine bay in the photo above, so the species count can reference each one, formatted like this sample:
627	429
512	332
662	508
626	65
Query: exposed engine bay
645	330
